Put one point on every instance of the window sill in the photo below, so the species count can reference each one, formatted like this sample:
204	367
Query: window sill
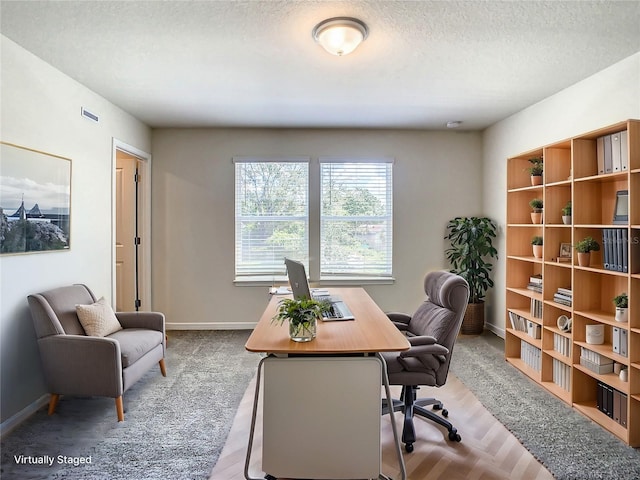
324	282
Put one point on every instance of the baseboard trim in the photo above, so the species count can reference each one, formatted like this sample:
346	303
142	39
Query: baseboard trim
13	422
498	331
212	326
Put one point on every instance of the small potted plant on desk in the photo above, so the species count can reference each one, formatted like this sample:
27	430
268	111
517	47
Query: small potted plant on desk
535	170
303	315
622	307
584	248
566	213
537	246
536	215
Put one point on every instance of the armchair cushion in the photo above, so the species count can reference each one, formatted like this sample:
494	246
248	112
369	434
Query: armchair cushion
135	343
98	319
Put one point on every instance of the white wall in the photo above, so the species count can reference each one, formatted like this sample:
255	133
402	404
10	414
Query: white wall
41	110
437	176
608	97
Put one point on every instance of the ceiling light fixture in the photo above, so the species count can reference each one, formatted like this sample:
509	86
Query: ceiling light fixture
340	35
454	124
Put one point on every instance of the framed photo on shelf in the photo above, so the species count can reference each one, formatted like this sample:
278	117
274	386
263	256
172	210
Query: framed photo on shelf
565	252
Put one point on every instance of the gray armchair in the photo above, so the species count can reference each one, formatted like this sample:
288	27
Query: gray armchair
76	364
432	331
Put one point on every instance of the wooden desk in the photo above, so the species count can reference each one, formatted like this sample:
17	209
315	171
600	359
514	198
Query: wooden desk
370	332
322	398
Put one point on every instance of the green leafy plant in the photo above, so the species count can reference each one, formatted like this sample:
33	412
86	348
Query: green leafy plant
566	210
537	166
621	301
470	252
586	245
536	204
301	312
536	240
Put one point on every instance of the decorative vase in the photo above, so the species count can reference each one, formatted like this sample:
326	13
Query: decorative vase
622	314
536	179
537	251
595	334
566	219
536	217
303	331
584	259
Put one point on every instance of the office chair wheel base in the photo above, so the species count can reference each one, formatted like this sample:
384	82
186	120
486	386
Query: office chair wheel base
408	447
445	413
454	436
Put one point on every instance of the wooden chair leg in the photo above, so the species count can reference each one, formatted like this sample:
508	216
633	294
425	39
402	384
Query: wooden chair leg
163	369
120	408
53	403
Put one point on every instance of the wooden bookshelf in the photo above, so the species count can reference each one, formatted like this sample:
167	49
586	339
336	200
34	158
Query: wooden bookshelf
571	173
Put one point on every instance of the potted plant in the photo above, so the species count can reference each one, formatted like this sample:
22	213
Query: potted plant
537	242
302	315
584	248
566	213
470	256
622	307
535	170
536	214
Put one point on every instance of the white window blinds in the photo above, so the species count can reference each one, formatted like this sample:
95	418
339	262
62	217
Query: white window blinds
272	210
356	226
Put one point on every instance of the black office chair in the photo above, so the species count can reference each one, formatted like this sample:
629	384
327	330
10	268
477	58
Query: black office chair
432	332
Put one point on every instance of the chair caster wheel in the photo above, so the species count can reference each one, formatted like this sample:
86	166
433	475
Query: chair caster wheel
445	413
269	477
408	447
454	436
436	406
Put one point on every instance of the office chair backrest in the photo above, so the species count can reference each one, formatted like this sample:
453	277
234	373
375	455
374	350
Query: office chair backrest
441	315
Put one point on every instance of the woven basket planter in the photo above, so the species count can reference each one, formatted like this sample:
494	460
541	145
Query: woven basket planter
473	322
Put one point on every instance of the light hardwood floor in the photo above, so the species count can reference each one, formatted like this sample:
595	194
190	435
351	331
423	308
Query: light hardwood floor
487	451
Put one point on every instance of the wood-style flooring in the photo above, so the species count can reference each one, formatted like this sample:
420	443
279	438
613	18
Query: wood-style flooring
487	450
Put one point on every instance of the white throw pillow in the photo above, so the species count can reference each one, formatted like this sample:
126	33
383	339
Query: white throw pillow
98	319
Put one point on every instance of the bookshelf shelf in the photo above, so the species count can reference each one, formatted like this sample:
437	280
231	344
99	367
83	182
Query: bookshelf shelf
577	170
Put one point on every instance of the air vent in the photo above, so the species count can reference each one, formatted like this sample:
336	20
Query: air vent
87	114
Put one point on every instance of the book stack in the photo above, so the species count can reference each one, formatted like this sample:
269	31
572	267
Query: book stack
530	355
536	308
518	323
535	283
615	243
561	374
595	362
561	345
612	403
563	296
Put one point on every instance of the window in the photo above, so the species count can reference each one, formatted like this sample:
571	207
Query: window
272	211
350	207
356	218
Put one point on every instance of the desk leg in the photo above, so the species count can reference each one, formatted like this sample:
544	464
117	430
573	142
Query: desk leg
385	379
253	423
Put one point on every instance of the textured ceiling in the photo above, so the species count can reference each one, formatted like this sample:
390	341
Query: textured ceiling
254	63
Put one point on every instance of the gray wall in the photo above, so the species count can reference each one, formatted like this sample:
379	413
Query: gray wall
41	110
437	175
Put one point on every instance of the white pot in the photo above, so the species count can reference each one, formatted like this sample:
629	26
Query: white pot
622	314
595	334
566	219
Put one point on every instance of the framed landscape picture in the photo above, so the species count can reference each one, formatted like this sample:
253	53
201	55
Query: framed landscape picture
35	200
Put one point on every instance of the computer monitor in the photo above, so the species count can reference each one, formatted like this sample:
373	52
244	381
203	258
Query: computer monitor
621	212
297	279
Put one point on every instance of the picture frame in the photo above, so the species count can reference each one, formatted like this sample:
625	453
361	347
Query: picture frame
35	201
565	250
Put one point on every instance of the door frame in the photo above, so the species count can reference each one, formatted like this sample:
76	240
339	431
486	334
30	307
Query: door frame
144	216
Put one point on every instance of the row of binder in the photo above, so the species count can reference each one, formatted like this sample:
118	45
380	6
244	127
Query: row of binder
617	249
531	355
612	403
561	374
562	345
613	153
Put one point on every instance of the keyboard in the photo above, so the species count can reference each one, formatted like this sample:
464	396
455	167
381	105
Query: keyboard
339	311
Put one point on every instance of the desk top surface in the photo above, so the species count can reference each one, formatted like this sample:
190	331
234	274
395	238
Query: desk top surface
371	331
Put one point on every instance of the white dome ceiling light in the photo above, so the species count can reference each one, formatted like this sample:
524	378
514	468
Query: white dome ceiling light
340	35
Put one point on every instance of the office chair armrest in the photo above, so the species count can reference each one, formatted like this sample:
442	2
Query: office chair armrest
421	350
400	320
422	340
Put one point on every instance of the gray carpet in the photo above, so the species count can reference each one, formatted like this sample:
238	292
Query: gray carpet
174	428
571	446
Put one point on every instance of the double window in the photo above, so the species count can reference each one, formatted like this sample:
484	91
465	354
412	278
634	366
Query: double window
350	209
